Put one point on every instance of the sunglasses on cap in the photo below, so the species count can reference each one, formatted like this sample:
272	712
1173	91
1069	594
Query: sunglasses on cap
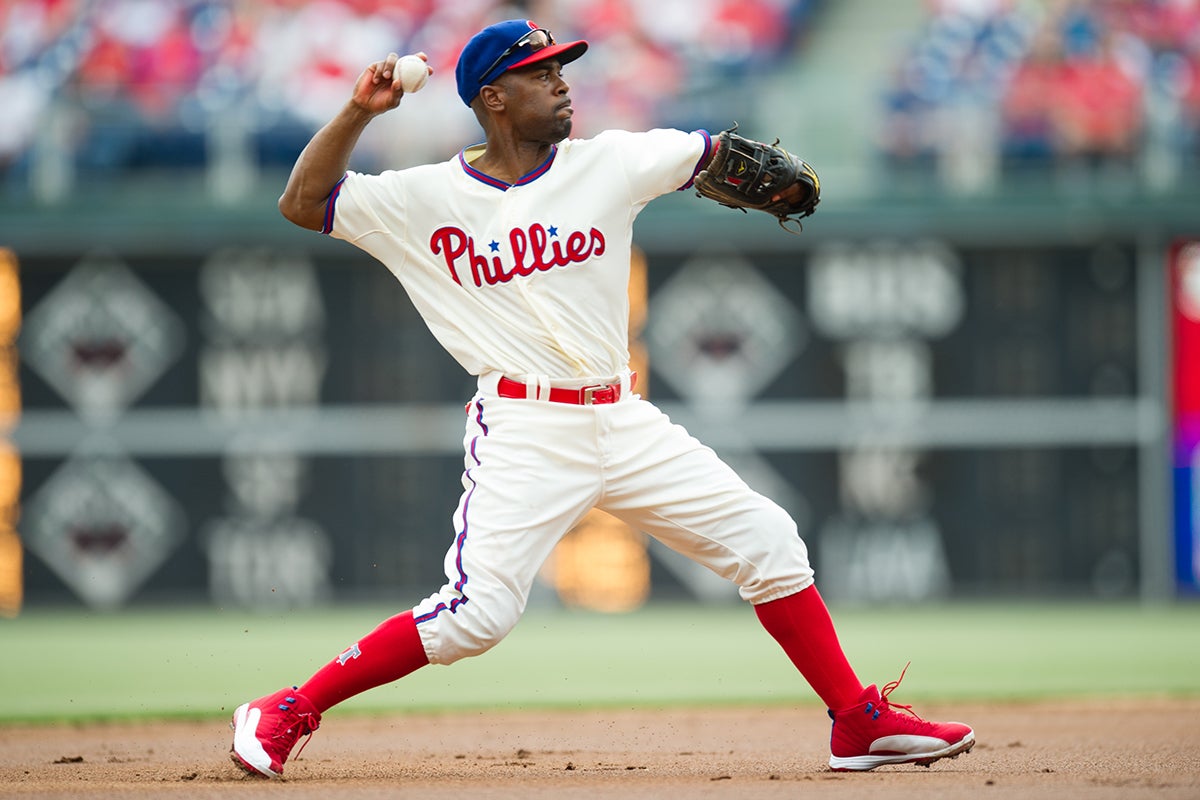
537	39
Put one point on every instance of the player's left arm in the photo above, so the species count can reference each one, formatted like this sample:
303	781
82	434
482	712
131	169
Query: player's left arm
743	173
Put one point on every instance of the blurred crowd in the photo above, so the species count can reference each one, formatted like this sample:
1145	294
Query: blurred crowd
1090	83
987	86
121	85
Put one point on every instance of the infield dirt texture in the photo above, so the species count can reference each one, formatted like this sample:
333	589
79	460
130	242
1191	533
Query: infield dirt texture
1067	701
1123	749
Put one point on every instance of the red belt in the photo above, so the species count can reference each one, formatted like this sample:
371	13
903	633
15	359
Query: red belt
583	396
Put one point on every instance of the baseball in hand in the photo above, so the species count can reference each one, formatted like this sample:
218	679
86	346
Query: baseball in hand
413	72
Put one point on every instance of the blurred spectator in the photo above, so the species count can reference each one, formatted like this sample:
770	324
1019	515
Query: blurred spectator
1028	129
28	31
1099	108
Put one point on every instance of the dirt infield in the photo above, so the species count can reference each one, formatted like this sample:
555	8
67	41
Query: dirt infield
1120	749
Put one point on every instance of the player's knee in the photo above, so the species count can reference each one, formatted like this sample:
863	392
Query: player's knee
779	536
778	521
778	562
473	628
491	626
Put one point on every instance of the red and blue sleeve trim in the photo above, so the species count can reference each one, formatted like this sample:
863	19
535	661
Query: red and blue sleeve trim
330	202
701	162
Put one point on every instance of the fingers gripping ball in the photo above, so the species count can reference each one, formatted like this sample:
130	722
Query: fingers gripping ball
746	174
413	72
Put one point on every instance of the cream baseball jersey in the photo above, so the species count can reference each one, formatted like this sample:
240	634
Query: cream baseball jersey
522	279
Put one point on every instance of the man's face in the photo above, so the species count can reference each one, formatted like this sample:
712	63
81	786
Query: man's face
538	103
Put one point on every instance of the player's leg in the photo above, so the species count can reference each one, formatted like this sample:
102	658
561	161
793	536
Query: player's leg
267	729
674	488
531	474
516	504
519	498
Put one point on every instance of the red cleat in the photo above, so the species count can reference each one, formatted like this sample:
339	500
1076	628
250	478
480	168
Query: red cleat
265	731
874	731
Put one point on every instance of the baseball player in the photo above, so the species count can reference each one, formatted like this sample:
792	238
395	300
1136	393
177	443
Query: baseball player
516	252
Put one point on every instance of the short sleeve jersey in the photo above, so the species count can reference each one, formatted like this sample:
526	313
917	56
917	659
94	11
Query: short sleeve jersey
522	279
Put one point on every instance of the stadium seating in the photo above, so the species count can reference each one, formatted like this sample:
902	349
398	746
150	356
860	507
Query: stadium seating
1093	83
149	85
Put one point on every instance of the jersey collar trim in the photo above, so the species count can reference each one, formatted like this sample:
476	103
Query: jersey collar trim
528	177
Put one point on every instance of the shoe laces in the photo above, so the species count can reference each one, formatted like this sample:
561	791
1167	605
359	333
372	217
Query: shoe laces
885	704
294	724
307	734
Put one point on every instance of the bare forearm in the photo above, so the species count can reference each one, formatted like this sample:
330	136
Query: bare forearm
320	166
323	162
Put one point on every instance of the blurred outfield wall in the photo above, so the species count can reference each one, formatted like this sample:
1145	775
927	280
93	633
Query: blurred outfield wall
961	382
952	400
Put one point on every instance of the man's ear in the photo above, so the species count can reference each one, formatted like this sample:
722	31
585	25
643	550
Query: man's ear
493	97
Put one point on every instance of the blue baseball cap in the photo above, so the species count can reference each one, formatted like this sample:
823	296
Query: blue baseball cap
504	46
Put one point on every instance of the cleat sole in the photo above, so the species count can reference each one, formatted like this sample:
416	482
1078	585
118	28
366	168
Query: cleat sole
868	763
246	768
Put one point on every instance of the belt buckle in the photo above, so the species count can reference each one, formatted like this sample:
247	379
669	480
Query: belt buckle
587	395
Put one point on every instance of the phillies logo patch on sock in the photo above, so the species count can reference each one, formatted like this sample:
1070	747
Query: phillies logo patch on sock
351	652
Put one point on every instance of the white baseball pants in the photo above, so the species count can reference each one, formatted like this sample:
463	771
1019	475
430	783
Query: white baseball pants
534	468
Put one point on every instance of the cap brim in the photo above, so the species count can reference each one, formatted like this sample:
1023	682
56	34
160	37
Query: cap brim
564	53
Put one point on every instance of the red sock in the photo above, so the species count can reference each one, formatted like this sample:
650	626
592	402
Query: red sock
386	654
801	624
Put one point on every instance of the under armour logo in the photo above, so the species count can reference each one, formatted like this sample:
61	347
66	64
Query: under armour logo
351	652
